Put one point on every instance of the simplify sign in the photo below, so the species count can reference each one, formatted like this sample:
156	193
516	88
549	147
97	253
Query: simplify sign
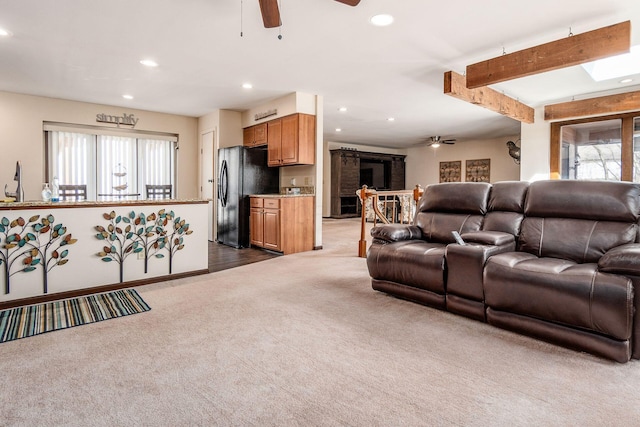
124	119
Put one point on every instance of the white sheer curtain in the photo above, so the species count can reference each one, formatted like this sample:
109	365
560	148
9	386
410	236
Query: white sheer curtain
72	159
117	167
156	162
111	166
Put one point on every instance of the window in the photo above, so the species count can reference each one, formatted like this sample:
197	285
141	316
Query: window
111	166
602	148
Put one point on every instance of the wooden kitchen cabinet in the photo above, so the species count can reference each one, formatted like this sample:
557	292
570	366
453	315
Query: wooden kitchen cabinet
255	136
291	140
283	224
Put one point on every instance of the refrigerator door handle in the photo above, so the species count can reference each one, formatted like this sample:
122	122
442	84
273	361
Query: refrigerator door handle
223	184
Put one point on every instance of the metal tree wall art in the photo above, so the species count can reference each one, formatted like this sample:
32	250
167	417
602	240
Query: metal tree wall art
174	241
42	247
122	241
140	233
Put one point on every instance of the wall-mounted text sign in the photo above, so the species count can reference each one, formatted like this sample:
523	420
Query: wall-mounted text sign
260	116
124	119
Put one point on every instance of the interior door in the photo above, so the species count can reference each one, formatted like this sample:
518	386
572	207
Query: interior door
207	174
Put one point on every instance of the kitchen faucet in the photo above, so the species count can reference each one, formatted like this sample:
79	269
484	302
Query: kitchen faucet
19	193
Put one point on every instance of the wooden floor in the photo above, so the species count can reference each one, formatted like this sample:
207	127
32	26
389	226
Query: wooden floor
222	257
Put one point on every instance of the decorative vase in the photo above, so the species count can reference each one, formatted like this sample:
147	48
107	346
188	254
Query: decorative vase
46	192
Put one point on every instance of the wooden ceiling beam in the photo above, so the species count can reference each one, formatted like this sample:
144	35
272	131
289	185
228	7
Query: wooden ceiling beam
572	50
602	105
455	85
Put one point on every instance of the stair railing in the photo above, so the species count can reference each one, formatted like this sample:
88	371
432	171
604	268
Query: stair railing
386	207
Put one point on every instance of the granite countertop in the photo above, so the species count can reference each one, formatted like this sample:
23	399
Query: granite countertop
35	204
267	196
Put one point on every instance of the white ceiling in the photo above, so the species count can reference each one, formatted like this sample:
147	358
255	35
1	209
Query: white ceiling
90	51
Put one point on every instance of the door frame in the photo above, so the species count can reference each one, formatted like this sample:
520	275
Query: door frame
213	226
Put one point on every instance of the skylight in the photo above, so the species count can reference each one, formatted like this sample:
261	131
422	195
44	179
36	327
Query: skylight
615	67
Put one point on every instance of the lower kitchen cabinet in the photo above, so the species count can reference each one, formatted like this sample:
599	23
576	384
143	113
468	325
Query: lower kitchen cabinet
282	223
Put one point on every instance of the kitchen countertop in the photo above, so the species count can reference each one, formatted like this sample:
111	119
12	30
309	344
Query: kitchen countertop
37	204
267	196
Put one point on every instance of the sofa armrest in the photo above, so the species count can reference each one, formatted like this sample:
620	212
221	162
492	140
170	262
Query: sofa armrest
396	232
623	259
495	238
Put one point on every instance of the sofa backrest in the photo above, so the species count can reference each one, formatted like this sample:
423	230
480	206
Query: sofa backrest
506	207
579	220
446	207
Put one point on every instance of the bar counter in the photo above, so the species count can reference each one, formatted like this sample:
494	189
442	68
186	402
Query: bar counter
53	250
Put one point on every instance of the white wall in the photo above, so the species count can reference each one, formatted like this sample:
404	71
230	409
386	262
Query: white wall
423	162
535	150
22	137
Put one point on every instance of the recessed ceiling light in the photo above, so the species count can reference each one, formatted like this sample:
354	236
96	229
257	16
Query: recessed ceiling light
149	63
5	33
127	96
391	119
247	85
381	20
626	80
342	109
338	130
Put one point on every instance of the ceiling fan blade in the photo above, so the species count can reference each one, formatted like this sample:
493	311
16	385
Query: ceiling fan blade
349	2
270	13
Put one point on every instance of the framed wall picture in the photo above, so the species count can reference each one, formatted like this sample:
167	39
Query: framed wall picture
451	171
478	170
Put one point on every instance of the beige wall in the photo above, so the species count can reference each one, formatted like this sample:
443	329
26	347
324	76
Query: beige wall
22	137
423	161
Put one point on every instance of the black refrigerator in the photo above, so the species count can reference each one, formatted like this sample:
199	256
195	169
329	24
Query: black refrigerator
241	171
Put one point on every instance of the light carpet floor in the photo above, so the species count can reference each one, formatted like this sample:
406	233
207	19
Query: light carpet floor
303	340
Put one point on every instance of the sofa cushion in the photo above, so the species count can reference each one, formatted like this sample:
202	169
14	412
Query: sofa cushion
508	196
437	227
455	197
614	201
413	262
560	291
577	240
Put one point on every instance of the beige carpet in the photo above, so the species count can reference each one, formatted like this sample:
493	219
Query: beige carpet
303	340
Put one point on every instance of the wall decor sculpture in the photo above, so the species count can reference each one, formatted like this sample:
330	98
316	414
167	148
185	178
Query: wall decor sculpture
139	233
478	170
451	171
40	247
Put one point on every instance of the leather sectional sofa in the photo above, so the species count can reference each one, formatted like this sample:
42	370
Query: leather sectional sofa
555	260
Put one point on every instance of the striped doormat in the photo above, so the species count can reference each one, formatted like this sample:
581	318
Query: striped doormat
22	322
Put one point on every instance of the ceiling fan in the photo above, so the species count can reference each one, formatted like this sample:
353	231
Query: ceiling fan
435	141
271	11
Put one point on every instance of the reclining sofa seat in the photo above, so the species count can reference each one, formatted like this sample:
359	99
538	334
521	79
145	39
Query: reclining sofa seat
407	261
565	283
465	263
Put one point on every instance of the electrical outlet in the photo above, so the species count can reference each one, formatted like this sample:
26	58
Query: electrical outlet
307	180
141	255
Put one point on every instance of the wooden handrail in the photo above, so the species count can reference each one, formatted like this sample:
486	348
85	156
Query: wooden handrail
375	196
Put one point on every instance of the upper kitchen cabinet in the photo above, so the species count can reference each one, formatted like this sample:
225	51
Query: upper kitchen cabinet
255	136
291	140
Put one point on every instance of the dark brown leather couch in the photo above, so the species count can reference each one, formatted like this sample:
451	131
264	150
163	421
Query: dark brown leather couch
556	260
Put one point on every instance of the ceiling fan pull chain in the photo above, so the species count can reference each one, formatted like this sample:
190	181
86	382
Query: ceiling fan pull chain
241	10
280	26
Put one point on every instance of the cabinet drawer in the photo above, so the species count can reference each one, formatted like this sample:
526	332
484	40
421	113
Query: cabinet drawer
256	202
272	203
